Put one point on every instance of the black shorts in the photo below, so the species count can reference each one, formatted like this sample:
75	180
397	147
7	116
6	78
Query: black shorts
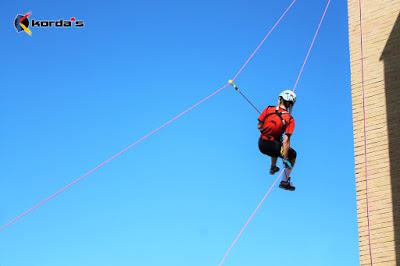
273	149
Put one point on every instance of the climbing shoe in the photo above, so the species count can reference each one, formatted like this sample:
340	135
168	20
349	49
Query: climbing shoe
286	185
273	170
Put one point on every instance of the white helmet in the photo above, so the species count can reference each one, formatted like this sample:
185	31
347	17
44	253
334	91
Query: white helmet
288	95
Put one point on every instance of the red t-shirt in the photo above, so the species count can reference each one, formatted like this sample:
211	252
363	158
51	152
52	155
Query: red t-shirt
287	129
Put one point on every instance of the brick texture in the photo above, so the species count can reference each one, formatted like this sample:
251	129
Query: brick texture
381	73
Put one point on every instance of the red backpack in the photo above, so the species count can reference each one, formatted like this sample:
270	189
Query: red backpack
274	125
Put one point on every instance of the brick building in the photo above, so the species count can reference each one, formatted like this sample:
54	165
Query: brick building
379	235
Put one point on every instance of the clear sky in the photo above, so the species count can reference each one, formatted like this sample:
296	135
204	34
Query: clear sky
70	98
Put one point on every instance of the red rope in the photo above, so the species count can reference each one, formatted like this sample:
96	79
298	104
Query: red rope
130	146
365	131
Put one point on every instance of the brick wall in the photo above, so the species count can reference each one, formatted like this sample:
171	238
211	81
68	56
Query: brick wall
381	26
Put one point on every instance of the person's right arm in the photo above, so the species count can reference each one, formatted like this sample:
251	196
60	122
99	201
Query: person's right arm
286	142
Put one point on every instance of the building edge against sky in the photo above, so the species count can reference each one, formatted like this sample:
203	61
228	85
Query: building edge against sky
381	53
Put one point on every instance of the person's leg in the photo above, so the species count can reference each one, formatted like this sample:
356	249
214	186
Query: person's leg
274	151
273	168
292	159
262	146
292	156
288	170
270	148
273	161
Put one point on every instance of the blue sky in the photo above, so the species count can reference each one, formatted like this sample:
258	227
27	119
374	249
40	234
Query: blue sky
71	98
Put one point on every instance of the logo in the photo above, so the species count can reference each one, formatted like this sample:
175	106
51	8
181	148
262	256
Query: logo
22	23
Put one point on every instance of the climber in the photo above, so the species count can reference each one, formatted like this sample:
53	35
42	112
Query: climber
276	125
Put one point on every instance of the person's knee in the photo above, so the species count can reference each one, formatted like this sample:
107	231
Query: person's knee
292	153
292	156
262	148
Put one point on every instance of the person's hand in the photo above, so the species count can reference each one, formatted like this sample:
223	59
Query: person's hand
287	164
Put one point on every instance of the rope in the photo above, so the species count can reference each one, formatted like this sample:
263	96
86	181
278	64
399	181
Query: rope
305	59
276	180
130	146
110	159
245	97
255	51
252	104
228	251
311	45
365	131
265	38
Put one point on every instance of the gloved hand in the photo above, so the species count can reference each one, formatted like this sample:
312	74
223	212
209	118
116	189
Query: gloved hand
287	164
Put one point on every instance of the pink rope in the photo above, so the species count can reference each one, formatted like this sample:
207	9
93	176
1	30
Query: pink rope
311	45
63	189
262	42
276	180
115	156
228	251
365	132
